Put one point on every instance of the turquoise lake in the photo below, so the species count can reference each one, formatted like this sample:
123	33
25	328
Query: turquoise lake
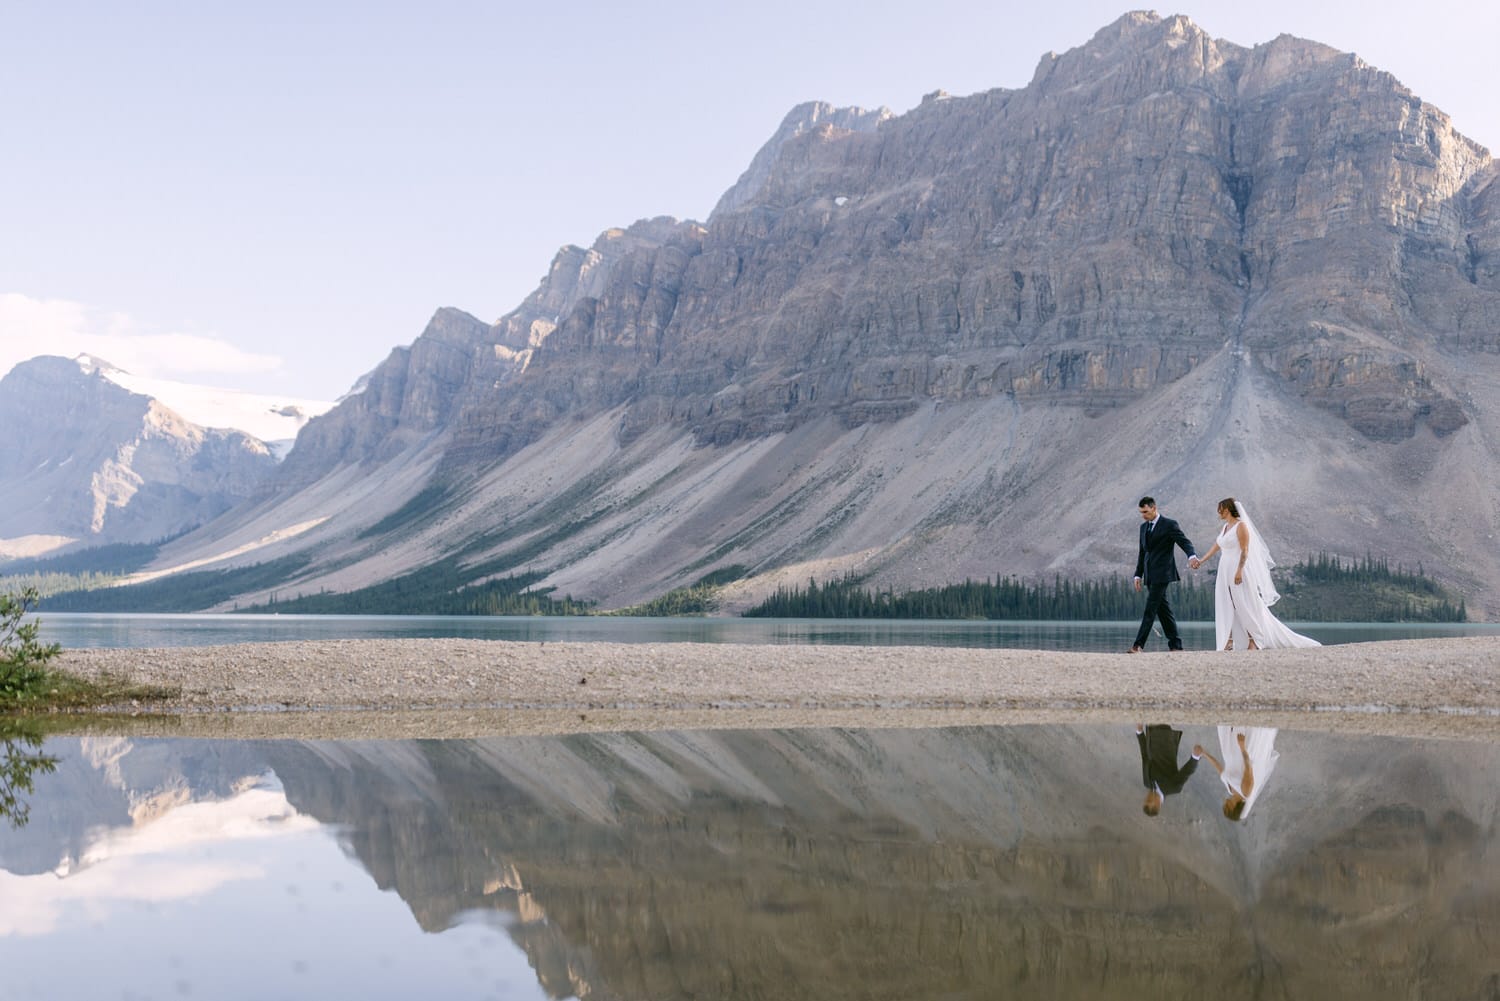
145	630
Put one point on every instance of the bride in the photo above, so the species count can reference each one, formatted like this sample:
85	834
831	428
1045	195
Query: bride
1242	599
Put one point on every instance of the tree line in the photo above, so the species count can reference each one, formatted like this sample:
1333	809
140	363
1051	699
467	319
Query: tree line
1320	588
1108	599
434	590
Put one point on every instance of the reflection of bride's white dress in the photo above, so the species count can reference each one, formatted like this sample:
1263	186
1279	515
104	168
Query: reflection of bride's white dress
1260	742
1240	610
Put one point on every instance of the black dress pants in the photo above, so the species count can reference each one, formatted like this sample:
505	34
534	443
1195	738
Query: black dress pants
1158	608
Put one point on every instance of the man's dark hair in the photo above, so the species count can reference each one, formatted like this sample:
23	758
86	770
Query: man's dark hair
1147	502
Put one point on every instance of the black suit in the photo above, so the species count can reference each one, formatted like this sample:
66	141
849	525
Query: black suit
1159	769
1156	566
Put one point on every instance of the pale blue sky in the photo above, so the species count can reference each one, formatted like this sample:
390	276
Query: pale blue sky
273	195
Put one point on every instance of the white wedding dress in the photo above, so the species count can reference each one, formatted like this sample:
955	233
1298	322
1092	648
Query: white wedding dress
1242	611
1260	743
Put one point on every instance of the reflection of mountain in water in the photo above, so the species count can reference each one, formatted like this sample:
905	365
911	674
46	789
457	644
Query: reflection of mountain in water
111	782
897	864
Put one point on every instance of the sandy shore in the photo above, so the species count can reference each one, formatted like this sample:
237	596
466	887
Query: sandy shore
453	688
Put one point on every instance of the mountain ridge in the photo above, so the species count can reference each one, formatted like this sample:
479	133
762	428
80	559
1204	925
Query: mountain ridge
962	341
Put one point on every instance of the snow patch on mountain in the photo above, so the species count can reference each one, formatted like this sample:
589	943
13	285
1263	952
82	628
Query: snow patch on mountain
275	420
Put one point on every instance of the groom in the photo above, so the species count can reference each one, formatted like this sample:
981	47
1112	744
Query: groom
1156	567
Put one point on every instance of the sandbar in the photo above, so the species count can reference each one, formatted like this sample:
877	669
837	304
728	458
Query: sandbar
448	688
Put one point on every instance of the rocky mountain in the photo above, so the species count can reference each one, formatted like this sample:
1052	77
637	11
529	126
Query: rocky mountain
86	459
871	863
961	342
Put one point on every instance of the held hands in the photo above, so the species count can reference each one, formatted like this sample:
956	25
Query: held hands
1194	562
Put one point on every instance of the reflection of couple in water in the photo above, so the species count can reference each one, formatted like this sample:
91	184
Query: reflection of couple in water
1249	758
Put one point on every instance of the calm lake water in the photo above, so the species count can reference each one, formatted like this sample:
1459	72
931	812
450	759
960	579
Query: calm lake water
90	630
961	863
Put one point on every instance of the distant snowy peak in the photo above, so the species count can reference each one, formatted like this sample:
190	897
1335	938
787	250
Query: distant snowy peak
275	420
91	460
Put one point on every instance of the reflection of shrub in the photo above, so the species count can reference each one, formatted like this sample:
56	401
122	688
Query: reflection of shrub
18	764
23	661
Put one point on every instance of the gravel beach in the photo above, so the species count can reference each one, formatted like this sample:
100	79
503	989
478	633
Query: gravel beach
453	687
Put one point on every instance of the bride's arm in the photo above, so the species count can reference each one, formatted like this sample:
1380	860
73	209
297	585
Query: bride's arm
1248	783
1243	534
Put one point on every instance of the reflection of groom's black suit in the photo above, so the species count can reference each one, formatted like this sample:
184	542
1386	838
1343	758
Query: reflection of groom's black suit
1159	759
1156	566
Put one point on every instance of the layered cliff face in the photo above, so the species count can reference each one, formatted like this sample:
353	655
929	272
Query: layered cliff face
1169	265
416	398
86	459
1149	199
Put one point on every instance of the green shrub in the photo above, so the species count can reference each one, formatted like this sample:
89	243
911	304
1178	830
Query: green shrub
23	660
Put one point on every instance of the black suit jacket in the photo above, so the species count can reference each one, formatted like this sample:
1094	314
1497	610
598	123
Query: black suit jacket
1159	759
1157	564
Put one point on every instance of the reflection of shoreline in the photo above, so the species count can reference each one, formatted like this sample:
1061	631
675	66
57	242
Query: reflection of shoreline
877	864
835	863
479	723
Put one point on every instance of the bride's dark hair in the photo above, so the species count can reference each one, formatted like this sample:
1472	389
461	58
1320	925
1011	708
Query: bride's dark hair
1228	504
